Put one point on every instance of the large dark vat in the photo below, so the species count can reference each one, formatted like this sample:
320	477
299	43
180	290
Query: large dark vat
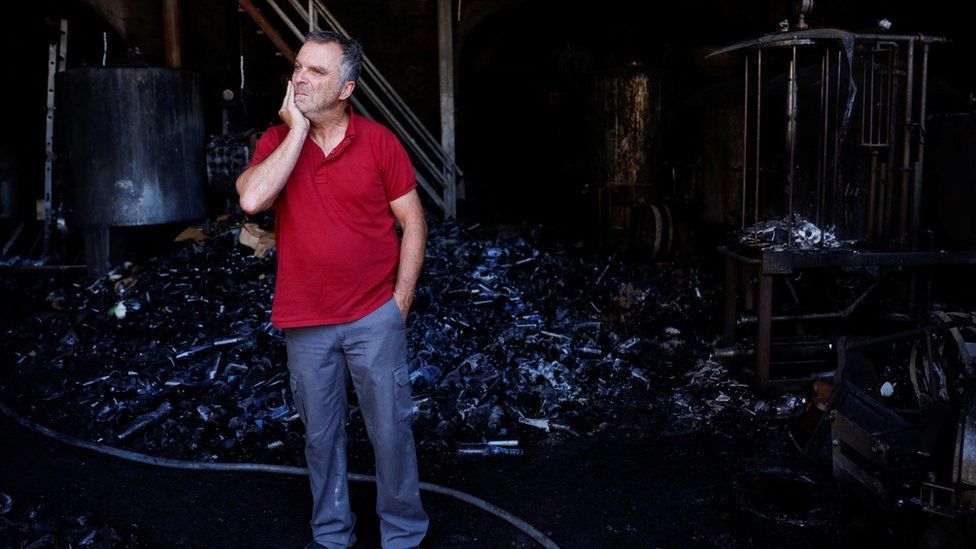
624	121
133	144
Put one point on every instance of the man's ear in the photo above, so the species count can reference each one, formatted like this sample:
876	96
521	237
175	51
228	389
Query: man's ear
347	90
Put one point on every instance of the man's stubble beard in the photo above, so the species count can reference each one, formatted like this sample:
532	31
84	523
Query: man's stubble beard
311	113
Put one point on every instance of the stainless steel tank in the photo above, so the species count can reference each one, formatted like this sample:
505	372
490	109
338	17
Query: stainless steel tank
133	144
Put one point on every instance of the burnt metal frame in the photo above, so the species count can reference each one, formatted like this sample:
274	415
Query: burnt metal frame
828	169
770	262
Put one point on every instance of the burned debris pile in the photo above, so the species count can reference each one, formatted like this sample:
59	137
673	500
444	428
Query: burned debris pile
32	524
510	335
801	234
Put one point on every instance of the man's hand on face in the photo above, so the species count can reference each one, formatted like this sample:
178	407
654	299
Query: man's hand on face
403	302
289	113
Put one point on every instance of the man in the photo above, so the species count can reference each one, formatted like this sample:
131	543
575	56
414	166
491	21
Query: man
345	285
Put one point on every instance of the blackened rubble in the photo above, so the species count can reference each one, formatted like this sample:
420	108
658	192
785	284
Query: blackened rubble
34	524
512	336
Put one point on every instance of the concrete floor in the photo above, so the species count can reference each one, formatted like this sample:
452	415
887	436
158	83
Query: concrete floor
637	490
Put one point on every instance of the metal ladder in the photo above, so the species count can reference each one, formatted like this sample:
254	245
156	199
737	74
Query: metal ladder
437	173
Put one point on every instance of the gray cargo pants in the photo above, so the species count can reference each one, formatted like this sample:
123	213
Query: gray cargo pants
374	351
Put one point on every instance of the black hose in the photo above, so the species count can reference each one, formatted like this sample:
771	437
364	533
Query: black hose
515	521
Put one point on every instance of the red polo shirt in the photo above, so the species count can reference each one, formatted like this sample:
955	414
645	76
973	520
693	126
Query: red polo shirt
337	248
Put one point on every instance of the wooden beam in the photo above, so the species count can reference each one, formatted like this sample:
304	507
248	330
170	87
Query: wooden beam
173	33
445	63
268	29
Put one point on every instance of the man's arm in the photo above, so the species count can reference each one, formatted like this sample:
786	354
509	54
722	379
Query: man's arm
409	213
260	184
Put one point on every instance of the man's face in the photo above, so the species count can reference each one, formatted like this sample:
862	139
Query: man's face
316	77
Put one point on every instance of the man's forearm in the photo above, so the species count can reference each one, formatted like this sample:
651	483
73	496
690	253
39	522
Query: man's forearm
411	258
260	184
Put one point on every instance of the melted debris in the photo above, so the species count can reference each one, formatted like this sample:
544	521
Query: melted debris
512	336
774	234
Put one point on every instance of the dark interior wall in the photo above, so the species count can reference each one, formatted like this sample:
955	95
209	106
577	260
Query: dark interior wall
522	68
25	32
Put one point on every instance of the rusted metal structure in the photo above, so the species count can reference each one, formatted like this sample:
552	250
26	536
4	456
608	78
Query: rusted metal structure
624	122
833	151
832	136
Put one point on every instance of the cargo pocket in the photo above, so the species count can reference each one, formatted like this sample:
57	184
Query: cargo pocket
403	398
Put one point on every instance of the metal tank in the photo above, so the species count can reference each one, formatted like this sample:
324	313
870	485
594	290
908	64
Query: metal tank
133	144
624	119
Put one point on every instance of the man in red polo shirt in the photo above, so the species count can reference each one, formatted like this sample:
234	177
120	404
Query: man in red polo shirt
345	284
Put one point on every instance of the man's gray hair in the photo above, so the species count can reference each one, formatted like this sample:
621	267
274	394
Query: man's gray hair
352	53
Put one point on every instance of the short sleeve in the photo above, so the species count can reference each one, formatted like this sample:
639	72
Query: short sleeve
398	174
268	142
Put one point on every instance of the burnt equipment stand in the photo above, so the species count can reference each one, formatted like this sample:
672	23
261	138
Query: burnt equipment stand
849	109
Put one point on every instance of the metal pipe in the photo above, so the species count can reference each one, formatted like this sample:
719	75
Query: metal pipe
755	205
870	98
889	103
730	301
917	202
907	143
791	135
13	238
173	33
739	257
745	139
764	330
872	192
864	77
268	29
822	141
888	191
835	176
746	320
904	334
883	198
